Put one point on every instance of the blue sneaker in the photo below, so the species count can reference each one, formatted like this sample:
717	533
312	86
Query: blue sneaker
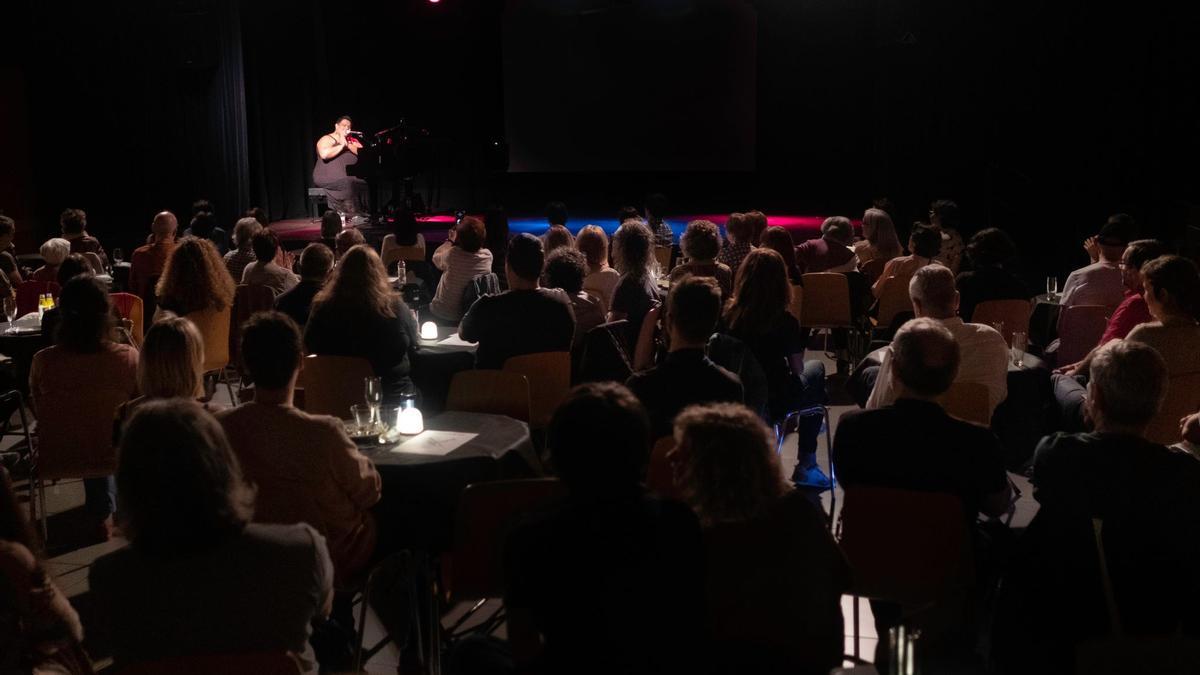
811	478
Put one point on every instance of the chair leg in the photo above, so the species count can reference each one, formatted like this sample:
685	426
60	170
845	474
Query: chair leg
854	613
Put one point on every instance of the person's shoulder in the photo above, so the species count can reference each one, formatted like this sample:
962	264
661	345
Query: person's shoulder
299	538
16	559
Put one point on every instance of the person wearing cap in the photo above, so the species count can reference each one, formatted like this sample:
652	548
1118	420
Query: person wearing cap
1100	283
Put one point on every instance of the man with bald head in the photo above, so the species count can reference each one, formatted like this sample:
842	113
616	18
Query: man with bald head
146	264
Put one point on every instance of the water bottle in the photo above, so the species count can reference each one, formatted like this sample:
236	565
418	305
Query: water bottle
401	273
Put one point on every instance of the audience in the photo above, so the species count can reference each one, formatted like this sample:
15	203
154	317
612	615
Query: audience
358	313
147	262
243	242
525	319
198	577
1145	500
775	575
601	280
194	279
263	271
738	242
1100	283
316	262
170	365
757	221
73	223
879	238
992	254
700	244
780	240
204	226
1173	296
346	240
638	559
943	216
83	346
10	273
72	266
923	245
830	253
331	226
461	258
565	269
258	214
558	234
54	251
687	376
656	211
984	353
306	469
636	293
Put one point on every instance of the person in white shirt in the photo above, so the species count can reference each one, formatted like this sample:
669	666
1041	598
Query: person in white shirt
984	351
460	258
263	271
1101	282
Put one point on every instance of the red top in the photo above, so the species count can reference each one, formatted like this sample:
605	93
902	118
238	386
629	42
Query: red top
1131	312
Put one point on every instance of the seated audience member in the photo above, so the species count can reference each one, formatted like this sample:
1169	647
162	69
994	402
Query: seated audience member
404	233
8	251
992	253
983	352
628	213
1100	283
242	253
198	577
72	266
646	554
601	280
780	240
758	224
259	214
170	365
687	376
943	216
565	269
305	466
331	226
54	251
636	293
700	244
923	244
346	240
1142	497
358	313
461	258
757	314
775	574
263	271
73	223
525	319
42	631
495	221
879	238
558	234
831	252
204	226
194	279
316	261
656	211
148	260
83	348
738	242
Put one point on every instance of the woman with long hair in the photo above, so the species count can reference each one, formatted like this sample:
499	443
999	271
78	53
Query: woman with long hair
358	313
780	240
879	238
601	279
636	293
170	365
194	279
757	314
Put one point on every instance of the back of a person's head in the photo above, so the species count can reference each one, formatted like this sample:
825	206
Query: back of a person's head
1142	251
556	213
164	224
202	206
202	224
181	486
599	440
761	292
991	247
780	240
404	226
701	241
946	212
243	231
331	224
593	243
737	228
925	357
347	239
171	360
694	307
1128	384
1175	283
259	214
925	240
265	245
271	349
526	257
728	469
933	287
85	320
1116	233
556	238
656	207
55	250
633	246
565	269
757	222
879	230
73	221
72	266
359	284
470	234
195	278
838	229
628	213
7	226
315	262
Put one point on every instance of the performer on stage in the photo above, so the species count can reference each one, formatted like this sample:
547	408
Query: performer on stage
336	151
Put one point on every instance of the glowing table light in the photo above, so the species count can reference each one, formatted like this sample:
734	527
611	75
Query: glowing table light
410	422
429	331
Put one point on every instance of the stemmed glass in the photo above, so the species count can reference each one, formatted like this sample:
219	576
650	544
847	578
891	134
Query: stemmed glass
118	256
10	311
373	390
1052	286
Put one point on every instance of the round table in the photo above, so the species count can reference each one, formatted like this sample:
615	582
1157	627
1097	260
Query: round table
1022	419
446	342
20	346
1043	323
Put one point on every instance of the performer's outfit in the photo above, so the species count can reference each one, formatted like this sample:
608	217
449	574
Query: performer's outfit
345	193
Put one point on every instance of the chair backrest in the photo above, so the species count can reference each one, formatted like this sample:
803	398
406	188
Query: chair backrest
659	477
28	293
604	357
75	431
264	663
1014	314
1183	398
662	254
490	391
486	514
393	252
904	546
213	325
733	355
96	263
796	307
332	384
248	300
549	375
893	299
968	401
487	283
643	352
826	300
1080	328
129	306
872	269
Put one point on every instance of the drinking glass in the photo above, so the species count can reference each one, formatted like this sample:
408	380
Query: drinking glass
10	311
1052	286
1019	343
373	391
362	417
118	255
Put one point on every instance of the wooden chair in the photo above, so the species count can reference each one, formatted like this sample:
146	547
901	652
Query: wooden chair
1080	328
264	663
893	300
643	351
490	391
1183	398
660	478
1013	314
332	384
968	401
213	325
28	293
796	307
549	375
391	252
826	301
872	269
129	306
663	255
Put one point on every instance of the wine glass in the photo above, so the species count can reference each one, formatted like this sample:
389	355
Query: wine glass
1019	343
1052	286
373	389
10	311
118	256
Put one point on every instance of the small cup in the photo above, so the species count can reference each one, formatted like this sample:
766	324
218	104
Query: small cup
1019	343
362	417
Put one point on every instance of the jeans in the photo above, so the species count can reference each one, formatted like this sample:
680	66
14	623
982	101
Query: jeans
1070	393
100	496
811	392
